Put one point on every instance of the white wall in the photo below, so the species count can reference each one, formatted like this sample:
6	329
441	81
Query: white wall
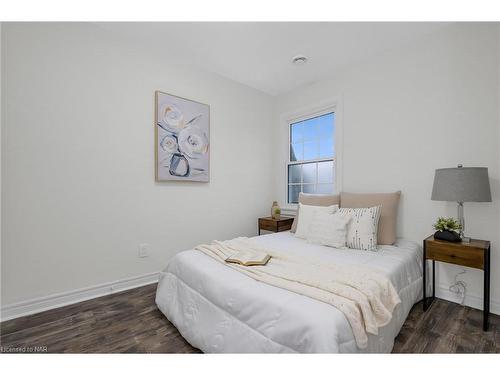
78	163
406	112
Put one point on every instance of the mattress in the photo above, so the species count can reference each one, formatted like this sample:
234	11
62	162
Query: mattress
220	310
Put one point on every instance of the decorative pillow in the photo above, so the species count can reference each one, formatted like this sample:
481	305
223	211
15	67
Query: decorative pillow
329	229
388	214
314	200
306	215
363	227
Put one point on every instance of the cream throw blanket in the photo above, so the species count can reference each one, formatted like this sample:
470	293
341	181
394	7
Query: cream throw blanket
366	297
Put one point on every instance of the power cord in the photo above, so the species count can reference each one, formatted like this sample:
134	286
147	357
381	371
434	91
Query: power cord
460	287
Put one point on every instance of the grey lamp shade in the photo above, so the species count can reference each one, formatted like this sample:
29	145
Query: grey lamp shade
461	185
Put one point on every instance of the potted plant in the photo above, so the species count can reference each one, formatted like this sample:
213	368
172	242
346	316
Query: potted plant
447	229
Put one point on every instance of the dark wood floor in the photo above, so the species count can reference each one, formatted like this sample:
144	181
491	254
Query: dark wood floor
129	322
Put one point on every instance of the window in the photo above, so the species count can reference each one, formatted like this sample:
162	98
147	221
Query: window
311	156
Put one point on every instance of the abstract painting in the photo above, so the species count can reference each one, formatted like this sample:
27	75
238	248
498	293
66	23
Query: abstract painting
182	139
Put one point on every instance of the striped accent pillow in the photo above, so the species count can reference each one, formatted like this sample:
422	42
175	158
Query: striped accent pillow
363	227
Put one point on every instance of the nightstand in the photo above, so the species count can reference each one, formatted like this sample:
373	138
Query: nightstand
475	254
275	225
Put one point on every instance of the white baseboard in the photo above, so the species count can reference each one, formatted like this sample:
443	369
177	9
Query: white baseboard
53	301
472	301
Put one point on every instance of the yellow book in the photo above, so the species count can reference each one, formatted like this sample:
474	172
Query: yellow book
246	258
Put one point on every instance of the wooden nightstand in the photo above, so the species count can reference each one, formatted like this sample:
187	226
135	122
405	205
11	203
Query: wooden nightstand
475	254
275	225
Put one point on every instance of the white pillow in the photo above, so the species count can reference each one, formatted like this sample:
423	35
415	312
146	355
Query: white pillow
329	229
306	216
362	229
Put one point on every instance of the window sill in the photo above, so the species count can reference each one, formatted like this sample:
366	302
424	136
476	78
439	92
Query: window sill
289	210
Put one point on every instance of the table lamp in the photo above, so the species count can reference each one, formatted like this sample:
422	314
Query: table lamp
461	185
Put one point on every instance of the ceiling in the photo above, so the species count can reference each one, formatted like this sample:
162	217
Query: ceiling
259	54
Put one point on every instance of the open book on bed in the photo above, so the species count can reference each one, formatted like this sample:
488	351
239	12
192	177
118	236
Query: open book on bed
247	258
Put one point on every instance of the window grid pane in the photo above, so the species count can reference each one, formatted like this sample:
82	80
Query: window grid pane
294	173
309	188
324	189
325	172
309	173
326	147
293	193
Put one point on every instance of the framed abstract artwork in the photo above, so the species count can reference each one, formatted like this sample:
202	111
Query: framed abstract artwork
182	139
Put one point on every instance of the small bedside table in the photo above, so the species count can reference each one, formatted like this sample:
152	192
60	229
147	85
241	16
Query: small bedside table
475	254
275	225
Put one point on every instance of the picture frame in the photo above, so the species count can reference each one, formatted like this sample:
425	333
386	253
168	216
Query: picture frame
182	139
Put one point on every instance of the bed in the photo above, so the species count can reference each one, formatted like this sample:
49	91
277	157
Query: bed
220	310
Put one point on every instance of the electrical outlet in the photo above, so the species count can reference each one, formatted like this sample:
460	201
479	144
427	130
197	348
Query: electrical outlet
144	250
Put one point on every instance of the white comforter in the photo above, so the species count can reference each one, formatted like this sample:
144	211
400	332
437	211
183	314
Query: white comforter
218	309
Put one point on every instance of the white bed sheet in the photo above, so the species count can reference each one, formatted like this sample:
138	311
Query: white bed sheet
220	310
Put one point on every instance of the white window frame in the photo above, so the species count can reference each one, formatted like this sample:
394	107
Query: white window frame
328	106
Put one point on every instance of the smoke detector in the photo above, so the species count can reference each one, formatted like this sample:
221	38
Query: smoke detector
299	60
